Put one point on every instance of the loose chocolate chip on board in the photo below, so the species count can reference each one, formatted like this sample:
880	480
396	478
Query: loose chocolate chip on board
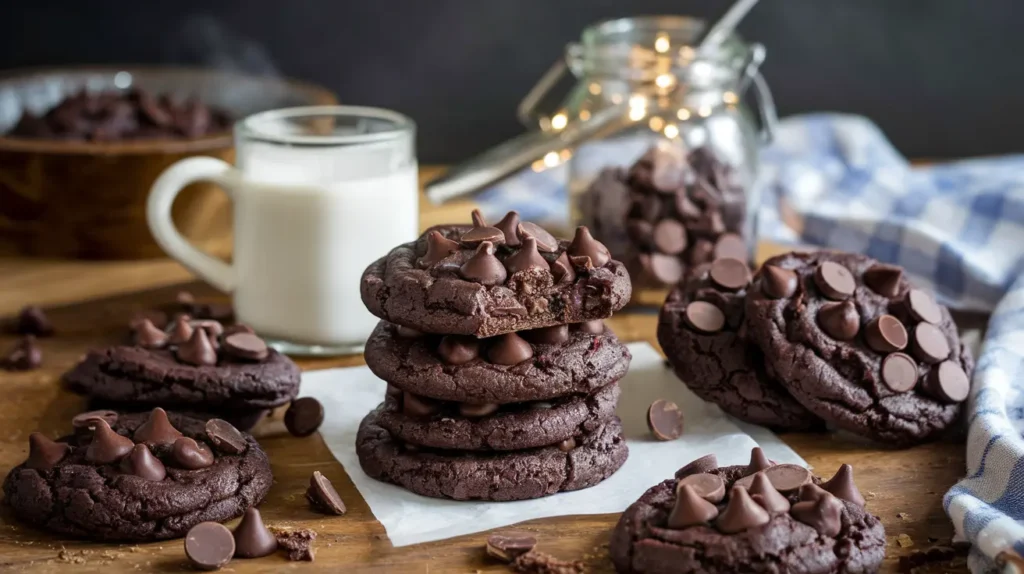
778	283
704	317
304	416
24	356
507	546
884	279
886	334
839	320
33	321
322	495
923	307
246	346
665	420
899	372
730	274
930	344
225	437
252	538
710	487
209	545
835	281
948	382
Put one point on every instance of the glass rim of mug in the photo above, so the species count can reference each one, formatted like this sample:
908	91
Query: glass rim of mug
250	127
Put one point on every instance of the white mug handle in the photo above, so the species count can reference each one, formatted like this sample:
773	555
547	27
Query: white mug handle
158	214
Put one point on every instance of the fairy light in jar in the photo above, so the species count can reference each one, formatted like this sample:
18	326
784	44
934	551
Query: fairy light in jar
551	159
661	44
665	81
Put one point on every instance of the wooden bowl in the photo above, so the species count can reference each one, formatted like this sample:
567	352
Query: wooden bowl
88	199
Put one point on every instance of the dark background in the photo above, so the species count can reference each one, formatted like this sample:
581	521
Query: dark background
942	77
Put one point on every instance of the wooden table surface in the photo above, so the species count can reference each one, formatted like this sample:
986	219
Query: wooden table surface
90	303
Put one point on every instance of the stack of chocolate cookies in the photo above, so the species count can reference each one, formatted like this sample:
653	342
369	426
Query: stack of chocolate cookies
816	339
501	374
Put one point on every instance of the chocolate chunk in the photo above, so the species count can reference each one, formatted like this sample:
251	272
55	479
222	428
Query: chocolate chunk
33	321
507	546
885	334
788	477
106	445
758	461
198	350
225	437
732	246
648	207
141	462
536	562
839	320
778	283
438	247
584	244
483	267
87	420
246	346
667	172
417	406
323	497
930	344
730	274
252	538
545	241
810	491
298	543
548	335
899	372
181	331
884	279
704	317
238	328
690	508
478	218
158	318
407	332
665	268
923	307
641	232
741	513
669	237
43	453
842	485
948	383
765	494
835	281
702	464
685	207
526	258
476	411
157	430
478	235
458	349
567	444
213	329
701	252
509	225
509	349
562	269
595	327
148	336
24	356
304	416
191	455
665	420
823	514
209	546
710	487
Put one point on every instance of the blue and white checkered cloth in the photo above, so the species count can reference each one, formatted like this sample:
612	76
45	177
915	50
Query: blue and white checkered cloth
835	181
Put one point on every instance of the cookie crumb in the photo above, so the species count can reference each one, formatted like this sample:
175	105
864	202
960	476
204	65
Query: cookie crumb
536	562
298	542
903	516
904	540
871	494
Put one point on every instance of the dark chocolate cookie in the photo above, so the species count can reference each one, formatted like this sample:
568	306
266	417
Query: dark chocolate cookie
513	426
484	281
858	346
729	519
518	475
579	359
149	477
702	331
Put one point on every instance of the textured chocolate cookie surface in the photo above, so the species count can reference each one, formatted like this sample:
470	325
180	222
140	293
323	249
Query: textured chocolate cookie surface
482	280
518	475
857	345
780	519
514	367
138	481
701	329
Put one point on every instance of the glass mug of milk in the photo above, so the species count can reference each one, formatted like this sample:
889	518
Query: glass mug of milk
319	193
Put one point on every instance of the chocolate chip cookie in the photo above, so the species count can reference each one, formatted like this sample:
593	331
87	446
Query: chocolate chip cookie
517	475
754	518
857	345
533	365
702	330
486	280
147	476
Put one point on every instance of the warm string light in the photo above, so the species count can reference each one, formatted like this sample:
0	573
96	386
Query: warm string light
683	114
656	123
661	44
671	131
559	121
704	111
665	81
594	88
730	98
584	115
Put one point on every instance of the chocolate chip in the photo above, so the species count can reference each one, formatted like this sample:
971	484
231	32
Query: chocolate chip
667	172
948	382
669	237
509	225
841	485
886	334
148	336
198	350
835	281
419	407
252	538
584	245
209	546
823	514
526	258
730	245
640	231
191	455
710	487
595	327
545	241
106	445
778	283
476	411
730	274
87	420
690	509
478	235
407	332
701	252
246	346
764	493
665	420
304	416
563	270
930	344
704	317
741	513
213	329
884	279
810	491
548	335
567	444
509	349
685	208
507	546
140	462
322	495
43	453
157	430
483	267
702	464
225	437
33	321
181	331
648	207
839	320
788	477
923	307
899	372
238	328
478	218
458	349
665	268
24	356
758	461
158	318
